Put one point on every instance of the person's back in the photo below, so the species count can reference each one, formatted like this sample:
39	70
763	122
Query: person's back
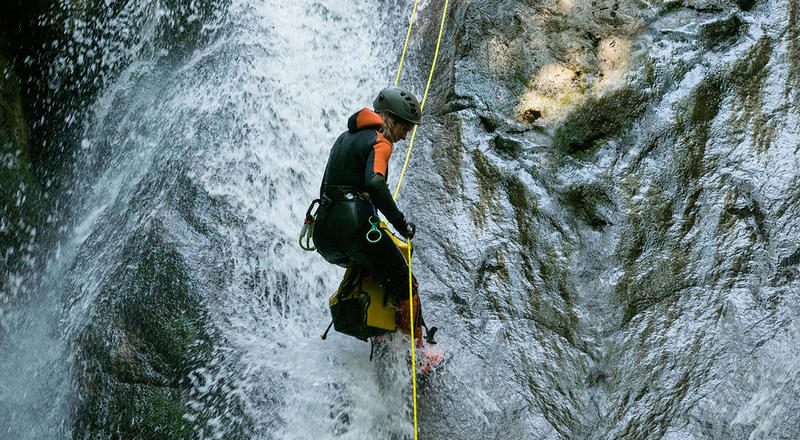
354	188
358	153
343	219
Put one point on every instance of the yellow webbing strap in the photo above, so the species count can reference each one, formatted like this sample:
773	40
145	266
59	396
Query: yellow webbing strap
397	190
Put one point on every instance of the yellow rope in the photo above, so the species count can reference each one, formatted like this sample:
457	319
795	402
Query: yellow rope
405	46
411	325
424	97
397	191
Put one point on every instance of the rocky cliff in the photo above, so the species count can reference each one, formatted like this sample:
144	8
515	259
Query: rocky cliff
606	193
620	180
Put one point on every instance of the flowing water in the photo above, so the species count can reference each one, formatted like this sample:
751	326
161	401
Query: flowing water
244	119
643	287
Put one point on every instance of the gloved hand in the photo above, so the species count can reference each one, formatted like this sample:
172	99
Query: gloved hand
410	230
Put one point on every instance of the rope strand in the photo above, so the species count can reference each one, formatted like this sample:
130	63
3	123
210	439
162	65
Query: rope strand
405	46
397	191
424	98
412	326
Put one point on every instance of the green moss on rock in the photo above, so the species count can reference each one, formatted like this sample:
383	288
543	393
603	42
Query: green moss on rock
732	213
20	195
161	309
649	70
793	49
140	412
506	147
748	78
582	202
705	101
660	280
690	211
721	32
703	106
148	334
525	209
672	5
447	154
489	179
543	306
660	274
752	70
598	119
13	129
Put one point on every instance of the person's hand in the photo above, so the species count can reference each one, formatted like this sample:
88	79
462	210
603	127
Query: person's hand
411	229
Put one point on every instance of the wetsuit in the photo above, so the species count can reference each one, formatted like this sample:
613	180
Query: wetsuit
353	188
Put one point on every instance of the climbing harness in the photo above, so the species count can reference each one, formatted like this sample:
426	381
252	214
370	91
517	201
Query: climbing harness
307	233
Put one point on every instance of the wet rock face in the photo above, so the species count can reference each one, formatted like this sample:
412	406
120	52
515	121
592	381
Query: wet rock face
534	61
640	281
140	355
20	193
148	328
148	333
606	193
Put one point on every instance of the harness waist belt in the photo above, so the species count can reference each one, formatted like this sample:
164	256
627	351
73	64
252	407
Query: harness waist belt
336	193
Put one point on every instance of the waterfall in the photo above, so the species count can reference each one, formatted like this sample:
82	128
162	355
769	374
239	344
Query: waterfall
605	192
212	152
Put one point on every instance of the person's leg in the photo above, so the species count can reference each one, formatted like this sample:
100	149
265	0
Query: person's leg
385	262
403	316
339	230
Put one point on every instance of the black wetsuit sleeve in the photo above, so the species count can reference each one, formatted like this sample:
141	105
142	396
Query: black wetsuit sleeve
382	198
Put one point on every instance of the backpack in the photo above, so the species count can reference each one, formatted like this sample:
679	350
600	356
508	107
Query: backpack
360	307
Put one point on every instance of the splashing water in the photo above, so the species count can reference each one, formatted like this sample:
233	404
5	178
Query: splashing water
243	123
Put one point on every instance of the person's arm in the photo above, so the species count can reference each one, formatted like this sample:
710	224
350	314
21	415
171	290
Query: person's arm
375	182
382	198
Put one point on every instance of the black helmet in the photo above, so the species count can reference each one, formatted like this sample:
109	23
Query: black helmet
399	102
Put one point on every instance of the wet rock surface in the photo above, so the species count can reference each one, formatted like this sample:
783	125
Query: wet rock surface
606	193
124	372
21	207
20	193
147	334
622	303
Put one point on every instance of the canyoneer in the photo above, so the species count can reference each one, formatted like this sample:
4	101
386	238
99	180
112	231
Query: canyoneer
373	298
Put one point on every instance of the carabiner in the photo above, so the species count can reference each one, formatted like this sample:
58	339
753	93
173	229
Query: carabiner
374	234
307	233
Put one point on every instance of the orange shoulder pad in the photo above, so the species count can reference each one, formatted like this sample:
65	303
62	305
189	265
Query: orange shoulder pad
383	151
